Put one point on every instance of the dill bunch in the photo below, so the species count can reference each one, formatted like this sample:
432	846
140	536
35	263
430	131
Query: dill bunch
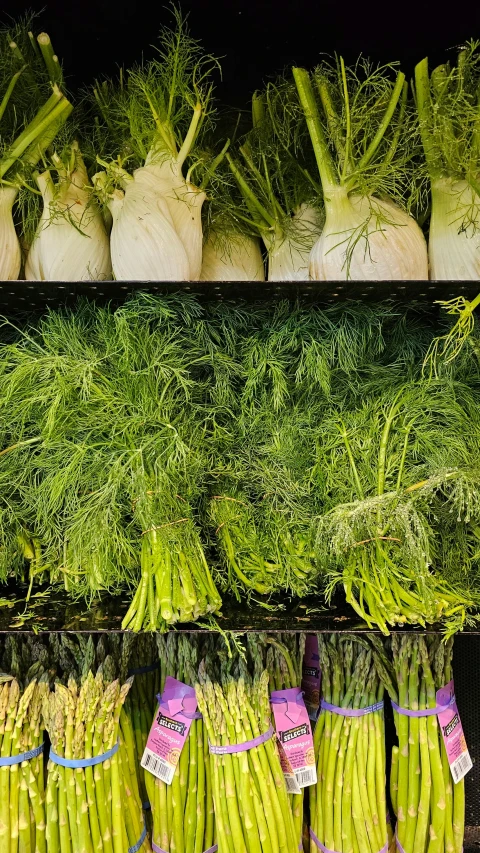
398	481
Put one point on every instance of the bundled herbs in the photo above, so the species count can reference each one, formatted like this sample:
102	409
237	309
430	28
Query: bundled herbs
447	104
348	805
360	127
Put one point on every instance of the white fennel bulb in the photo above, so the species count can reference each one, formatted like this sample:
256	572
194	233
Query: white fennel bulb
184	202
144	243
10	256
71	243
236	258
289	254
368	239
454	239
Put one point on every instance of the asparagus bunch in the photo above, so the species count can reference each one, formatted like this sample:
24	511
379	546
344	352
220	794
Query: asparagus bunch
430	808
94	807
348	806
252	809
22	789
183	820
282	657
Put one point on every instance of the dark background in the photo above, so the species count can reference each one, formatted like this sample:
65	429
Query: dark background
257	38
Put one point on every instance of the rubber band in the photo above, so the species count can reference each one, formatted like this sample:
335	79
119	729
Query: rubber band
351	712
425	712
157	849
83	762
143	669
398	845
136	847
326	850
241	747
24	756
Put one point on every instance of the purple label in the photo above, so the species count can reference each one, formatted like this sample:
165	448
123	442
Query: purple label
294	732
452	733
311	676
170	729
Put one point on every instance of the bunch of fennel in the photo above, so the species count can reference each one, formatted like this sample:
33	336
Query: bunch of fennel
71	242
447	105
276	186
32	111
154	117
359	123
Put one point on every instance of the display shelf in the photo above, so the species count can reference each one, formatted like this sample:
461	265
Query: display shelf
53	610
23	297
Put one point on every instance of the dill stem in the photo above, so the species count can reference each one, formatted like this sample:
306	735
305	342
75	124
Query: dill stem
249	194
323	157
9	92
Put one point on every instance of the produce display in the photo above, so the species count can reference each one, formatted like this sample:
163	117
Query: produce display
183	452
341	172
67	698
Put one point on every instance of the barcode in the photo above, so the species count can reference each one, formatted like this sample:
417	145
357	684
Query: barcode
306	777
292	785
461	766
157	766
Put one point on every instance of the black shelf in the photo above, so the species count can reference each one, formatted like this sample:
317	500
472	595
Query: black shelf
22	297
53	610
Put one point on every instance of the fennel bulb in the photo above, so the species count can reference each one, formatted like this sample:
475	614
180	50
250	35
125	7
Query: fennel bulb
184	202
71	242
447	106
454	238
238	258
368	239
289	253
360	141
143	242
10	256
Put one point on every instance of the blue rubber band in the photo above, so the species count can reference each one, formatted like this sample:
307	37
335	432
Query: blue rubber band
136	847
142	670
83	762
24	756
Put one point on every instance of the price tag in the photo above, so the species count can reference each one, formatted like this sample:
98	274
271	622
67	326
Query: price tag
452	733
294	732
169	730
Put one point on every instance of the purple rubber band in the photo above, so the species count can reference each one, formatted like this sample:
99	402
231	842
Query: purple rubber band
241	747
399	846
351	712
425	712
326	850
157	849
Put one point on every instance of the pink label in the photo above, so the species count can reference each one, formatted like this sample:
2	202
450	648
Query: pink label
452	732
170	729
294	732
311	676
